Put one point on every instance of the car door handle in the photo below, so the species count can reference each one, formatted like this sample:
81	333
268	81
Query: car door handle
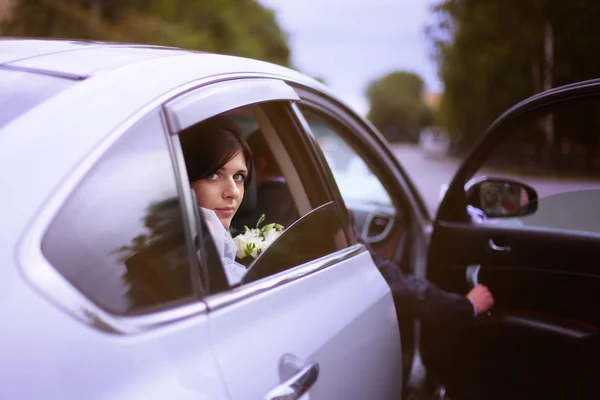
472	275
499	249
297	385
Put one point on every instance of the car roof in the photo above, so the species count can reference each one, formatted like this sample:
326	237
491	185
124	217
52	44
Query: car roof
77	59
82	59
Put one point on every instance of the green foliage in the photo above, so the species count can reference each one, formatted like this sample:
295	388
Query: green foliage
396	105
490	55
237	27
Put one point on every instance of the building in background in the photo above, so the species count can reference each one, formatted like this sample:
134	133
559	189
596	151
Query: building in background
432	100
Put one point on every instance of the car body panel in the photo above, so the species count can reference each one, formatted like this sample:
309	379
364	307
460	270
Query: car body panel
341	317
67	360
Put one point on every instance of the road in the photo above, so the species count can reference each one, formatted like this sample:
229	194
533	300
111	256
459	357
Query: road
429	174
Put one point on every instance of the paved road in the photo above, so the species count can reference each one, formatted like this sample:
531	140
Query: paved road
429	174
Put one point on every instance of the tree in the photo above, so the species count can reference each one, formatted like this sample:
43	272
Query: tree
237	27
396	105
157	266
491	55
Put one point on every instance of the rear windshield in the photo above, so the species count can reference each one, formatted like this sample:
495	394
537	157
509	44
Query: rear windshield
21	91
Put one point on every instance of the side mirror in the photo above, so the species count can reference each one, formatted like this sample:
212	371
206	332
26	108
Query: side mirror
502	198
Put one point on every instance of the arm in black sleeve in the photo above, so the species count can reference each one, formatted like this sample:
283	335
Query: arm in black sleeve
420	299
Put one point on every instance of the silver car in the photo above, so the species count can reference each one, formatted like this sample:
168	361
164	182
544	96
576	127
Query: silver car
108	298
109	283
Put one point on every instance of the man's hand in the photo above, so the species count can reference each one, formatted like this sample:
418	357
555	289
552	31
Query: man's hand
481	298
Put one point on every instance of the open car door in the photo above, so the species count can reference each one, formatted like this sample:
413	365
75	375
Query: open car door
522	218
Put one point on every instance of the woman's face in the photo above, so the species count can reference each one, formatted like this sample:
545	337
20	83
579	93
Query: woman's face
223	191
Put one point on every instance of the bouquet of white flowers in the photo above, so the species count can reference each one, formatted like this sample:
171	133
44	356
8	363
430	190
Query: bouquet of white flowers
254	241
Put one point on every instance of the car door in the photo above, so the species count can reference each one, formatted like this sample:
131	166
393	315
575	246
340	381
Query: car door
313	316
540	263
388	214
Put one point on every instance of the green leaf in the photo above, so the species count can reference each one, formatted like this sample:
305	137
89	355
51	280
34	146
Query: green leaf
238	27
248	249
246	228
268	227
279	228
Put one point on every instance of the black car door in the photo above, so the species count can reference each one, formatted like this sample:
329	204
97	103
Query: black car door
539	255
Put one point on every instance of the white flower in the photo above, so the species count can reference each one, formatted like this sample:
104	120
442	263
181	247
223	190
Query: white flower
248	243
255	241
270	236
240	244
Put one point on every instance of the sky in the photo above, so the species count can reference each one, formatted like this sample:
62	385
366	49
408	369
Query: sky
349	43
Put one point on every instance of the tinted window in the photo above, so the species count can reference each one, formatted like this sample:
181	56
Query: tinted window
119	238
21	91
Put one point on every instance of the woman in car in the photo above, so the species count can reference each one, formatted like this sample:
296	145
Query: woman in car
219	164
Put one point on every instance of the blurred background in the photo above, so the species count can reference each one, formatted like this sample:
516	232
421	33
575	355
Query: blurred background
430	74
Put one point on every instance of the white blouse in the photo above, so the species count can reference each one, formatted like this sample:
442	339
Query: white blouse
225	246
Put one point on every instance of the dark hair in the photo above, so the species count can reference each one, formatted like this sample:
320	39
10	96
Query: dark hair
256	141
210	144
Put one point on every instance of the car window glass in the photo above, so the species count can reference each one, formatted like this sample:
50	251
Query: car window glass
279	195
559	156
21	91
355	179
119	238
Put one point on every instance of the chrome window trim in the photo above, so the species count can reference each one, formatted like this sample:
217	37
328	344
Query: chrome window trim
224	299
47	281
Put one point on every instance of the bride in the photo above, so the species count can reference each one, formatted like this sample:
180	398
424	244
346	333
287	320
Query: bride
219	165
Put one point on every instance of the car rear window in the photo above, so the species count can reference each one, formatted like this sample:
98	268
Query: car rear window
21	91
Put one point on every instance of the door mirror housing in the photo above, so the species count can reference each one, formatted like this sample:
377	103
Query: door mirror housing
501	197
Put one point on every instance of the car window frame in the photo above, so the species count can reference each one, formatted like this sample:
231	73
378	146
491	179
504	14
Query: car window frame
158	128
189	108
46	278
284	117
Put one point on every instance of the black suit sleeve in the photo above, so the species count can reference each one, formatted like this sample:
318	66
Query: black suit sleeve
420	299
